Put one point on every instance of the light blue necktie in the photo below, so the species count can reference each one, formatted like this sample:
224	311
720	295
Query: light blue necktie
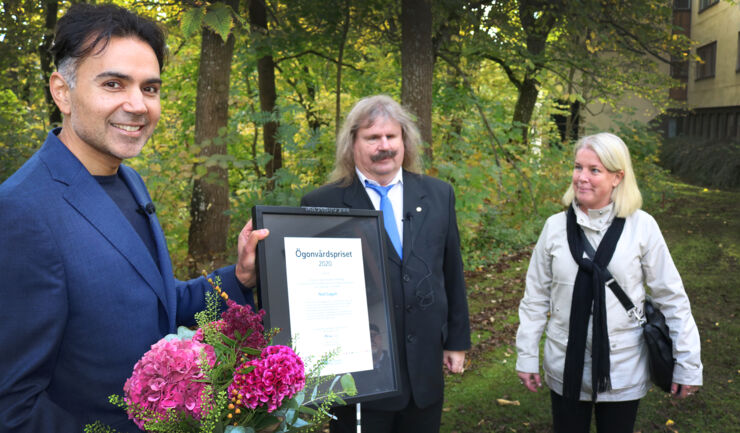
388	216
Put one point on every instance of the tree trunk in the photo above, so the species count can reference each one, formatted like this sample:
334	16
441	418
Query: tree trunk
340	58
268	96
524	107
209	223
417	67
51	7
571	124
538	18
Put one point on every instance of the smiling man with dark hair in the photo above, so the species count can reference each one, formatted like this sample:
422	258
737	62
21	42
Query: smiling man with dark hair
87	280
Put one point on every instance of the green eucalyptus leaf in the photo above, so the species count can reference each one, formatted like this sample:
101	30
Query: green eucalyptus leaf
221	347
246	370
228	341
308	410
250	351
348	384
298	423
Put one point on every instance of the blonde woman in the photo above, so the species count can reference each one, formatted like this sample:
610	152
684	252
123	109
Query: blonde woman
595	358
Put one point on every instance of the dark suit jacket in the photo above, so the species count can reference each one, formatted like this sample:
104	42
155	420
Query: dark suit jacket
429	299
81	298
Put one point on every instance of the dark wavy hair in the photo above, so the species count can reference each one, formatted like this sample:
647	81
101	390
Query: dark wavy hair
87	27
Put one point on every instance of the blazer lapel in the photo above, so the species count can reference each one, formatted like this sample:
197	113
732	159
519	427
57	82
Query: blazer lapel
90	200
355	196
138	189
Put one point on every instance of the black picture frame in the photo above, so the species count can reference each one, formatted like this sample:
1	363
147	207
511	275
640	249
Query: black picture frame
272	286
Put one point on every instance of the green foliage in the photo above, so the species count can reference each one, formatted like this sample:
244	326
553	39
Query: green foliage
99	427
22	27
498	217
708	162
21	133
192	19
504	188
218	19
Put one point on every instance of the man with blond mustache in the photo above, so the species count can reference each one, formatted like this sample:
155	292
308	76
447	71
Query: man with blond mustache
377	167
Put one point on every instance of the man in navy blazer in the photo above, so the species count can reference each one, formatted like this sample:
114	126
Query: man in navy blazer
378	147
87	281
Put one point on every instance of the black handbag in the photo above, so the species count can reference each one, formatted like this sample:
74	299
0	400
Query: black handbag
659	344
654	330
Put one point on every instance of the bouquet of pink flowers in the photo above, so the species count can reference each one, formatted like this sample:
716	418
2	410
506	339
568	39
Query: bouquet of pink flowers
224	377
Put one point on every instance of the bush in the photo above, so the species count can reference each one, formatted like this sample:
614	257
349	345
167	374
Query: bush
21	132
706	162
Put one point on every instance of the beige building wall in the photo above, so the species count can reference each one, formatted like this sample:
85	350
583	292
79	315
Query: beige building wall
721	23
600	117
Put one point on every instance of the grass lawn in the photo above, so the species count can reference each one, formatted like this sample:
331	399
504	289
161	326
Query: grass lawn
702	229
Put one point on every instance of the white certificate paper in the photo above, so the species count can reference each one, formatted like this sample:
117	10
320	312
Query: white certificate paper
328	303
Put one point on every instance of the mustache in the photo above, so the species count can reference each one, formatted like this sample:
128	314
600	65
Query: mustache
383	154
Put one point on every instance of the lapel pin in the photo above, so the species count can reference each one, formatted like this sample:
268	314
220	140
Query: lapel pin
418	209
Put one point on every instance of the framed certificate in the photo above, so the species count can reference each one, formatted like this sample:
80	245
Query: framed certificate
322	281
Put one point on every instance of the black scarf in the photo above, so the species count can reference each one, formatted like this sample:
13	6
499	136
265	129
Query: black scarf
589	289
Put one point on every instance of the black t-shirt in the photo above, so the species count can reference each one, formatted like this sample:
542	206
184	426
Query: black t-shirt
121	195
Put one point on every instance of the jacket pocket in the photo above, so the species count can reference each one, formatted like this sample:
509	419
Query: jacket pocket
628	359
555	345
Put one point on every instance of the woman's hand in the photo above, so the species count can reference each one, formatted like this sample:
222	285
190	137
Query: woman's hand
530	380
682	391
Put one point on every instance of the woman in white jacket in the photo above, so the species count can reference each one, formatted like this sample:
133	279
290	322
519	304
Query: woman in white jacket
595	357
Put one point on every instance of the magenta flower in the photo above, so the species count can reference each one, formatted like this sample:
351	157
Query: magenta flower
277	374
165	378
240	318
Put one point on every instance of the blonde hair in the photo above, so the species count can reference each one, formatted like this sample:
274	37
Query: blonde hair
365	112
615	156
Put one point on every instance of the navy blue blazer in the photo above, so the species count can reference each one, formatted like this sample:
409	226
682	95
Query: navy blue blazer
428	285
81	298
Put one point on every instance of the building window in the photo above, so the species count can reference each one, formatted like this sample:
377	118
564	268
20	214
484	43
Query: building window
708	54
706	4
681	5
672	127
679	68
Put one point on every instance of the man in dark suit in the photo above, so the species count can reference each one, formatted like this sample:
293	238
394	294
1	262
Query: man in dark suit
87	281
377	167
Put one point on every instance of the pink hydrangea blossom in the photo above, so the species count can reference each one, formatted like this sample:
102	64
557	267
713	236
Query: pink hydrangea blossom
165	378
278	374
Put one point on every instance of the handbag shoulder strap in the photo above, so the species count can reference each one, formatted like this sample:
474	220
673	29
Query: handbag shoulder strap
612	282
